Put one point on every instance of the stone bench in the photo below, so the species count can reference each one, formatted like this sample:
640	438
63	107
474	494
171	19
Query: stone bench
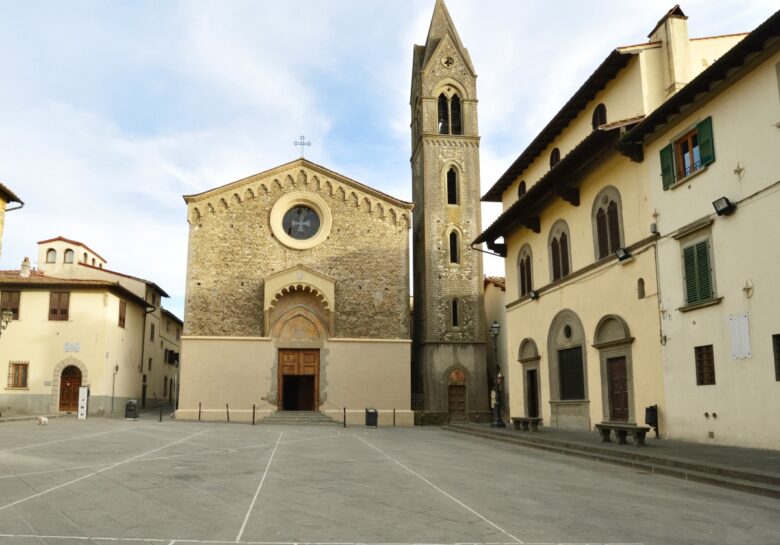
526	423
621	431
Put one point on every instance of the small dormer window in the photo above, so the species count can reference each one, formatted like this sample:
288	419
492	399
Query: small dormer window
69	256
51	256
85	257
93	261
599	116
555	157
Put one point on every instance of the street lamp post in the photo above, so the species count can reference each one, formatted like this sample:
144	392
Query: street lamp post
497	422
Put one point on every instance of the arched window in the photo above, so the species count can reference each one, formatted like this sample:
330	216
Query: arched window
560	259
452	186
444	115
521	189
599	116
68	256
85	257
640	288
450	115
454	247
457	121
93	261
607	222
555	157
455	313
51	256
524	278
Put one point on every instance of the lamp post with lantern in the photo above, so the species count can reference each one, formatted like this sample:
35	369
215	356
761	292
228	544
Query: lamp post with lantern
497	422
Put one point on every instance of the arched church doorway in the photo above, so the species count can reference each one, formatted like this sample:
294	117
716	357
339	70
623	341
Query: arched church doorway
70	382
299	380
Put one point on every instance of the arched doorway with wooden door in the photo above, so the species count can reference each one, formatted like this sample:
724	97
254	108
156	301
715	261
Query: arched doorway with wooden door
528	356
67	376
456	395
613	341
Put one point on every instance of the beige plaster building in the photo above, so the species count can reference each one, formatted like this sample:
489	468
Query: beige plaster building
713	172
578	233
75	323
297	298
7	197
497	358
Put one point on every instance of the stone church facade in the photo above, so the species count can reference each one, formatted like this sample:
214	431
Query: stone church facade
297	298
298	277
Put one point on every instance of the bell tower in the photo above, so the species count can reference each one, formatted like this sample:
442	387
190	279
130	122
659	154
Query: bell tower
449	365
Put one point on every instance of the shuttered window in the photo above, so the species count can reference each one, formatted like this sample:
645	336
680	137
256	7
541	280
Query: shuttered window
9	300
688	154
705	365
59	303
17	374
697	272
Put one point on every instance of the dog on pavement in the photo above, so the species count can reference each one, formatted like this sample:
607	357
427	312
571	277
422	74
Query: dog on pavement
42	420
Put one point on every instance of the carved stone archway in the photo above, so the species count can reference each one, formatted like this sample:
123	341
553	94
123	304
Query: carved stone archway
57	375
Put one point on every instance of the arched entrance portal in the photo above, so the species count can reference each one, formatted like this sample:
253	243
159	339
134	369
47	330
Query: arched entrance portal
69	388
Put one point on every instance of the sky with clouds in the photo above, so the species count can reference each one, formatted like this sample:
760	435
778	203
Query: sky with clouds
111	110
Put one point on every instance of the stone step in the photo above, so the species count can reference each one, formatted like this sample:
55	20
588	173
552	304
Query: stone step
298	418
755	483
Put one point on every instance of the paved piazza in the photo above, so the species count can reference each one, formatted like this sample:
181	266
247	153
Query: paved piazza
109	481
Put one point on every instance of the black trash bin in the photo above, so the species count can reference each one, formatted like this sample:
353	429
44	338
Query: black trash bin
131	409
372	418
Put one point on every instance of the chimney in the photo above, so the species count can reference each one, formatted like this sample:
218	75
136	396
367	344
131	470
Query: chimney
672	32
24	271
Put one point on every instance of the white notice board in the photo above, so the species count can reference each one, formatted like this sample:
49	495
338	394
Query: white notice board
83	400
740	336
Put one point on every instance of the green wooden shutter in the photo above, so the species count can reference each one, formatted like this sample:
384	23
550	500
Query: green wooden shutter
698	276
689	269
703	273
667	166
706	145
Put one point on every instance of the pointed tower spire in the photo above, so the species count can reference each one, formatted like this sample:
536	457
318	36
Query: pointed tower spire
441	26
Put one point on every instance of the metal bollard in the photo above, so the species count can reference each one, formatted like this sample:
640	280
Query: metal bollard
198	411
253	414
393	417
345	417
161	413
227	410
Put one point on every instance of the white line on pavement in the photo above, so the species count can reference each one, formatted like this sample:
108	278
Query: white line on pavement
72	438
259	486
450	496
112	466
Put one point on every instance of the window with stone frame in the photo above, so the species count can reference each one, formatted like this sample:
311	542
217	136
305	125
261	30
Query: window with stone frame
560	258
607	222
454	313
454	243
452	186
571	373
17	374
688	153
524	274
450	118
705	365
9	300
698	276
59	305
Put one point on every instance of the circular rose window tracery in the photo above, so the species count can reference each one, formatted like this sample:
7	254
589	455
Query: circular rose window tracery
301	220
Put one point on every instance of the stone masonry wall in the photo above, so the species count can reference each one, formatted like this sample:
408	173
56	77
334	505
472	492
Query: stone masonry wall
232	248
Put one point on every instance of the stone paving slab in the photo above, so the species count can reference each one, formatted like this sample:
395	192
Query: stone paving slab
129	482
